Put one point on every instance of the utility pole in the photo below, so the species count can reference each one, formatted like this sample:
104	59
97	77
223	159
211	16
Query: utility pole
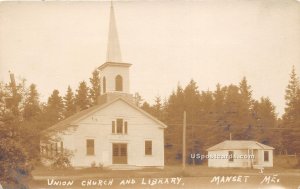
184	140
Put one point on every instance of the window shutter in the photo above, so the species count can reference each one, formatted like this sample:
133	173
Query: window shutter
125	127
113	127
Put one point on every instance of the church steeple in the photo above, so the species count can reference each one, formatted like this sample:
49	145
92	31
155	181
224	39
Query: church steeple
113	45
114	73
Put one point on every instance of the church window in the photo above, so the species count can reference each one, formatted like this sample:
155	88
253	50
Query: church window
119	83
90	147
119	126
104	85
148	147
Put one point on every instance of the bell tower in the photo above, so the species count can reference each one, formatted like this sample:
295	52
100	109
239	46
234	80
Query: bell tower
114	73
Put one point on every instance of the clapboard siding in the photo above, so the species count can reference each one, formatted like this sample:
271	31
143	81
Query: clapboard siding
98	126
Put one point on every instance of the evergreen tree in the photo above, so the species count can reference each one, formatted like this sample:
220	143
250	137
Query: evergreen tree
246	104
265	121
292	95
232	105
3	95
31	125
192	102
164	108
219	105
15	93
81	98
14	152
246	92
291	118
138	99
175	106
69	103
157	108
265	114
207	108
234	123
173	133
95	87
32	104
55	107
146	107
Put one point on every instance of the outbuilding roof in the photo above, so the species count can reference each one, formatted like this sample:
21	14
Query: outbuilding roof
239	145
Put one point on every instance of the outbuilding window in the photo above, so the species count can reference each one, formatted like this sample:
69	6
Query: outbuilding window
230	156
266	156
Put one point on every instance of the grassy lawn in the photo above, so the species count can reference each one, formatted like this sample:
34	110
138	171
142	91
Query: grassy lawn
199	176
192	177
168	171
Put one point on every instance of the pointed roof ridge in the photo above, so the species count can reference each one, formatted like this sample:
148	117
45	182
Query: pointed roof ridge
71	121
239	145
113	45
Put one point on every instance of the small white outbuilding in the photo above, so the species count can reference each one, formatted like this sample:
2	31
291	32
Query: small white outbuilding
240	153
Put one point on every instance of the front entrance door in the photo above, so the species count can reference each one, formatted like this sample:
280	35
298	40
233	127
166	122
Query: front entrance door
119	155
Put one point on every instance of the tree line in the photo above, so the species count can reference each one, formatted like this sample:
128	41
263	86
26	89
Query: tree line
214	116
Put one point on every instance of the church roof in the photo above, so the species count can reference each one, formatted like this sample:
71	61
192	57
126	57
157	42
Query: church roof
72	120
114	64
239	145
113	45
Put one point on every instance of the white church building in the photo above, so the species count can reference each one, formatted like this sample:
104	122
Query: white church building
116	133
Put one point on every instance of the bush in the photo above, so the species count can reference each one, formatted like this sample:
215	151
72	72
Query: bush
61	161
93	164
284	161
14	167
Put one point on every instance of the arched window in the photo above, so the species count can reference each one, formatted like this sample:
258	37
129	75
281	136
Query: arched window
104	85
119	83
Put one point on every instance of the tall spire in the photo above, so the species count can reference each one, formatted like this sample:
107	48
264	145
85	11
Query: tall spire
113	46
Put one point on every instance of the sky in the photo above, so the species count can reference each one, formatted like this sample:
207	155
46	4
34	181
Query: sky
59	43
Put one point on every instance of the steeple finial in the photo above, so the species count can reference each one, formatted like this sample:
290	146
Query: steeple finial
113	46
